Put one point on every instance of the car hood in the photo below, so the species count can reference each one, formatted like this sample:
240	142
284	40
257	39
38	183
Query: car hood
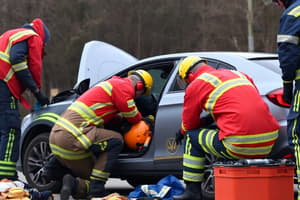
100	60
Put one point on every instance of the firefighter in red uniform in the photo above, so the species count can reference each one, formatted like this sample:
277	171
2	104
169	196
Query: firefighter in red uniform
21	53
80	141
245	129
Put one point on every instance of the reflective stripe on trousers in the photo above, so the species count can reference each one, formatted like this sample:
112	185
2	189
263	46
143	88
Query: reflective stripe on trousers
201	141
9	132
293	131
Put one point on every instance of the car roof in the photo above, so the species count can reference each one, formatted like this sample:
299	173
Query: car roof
100	60
220	55
242	61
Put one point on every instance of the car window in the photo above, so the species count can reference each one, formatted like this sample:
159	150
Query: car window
160	73
179	85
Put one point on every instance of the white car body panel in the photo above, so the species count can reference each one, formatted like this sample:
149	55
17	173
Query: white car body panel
100	60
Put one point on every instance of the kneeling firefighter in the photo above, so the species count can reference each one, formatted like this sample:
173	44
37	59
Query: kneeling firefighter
82	144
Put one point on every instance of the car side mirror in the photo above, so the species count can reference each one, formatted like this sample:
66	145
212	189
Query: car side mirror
83	86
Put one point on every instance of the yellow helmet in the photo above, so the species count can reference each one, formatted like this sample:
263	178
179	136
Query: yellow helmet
137	135
187	64
146	79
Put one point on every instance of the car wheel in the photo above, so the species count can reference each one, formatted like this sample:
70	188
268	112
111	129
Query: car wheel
207	186
136	181
36	155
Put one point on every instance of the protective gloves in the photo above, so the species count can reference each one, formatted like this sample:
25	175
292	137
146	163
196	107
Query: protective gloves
288	92
125	127
208	119
42	99
179	137
149	119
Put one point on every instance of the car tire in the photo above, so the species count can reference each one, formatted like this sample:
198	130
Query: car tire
37	153
207	186
136	181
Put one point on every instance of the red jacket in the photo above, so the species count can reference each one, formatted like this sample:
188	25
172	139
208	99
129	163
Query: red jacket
232	99
108	99
34	60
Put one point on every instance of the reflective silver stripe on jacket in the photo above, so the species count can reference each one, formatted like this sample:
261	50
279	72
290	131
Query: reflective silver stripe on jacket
222	88
288	39
106	86
295	12
213	80
4	57
20	66
86	113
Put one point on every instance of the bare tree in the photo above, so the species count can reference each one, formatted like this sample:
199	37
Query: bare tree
141	27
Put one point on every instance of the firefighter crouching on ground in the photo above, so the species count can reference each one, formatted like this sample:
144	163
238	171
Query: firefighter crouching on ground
245	129
81	144
21	54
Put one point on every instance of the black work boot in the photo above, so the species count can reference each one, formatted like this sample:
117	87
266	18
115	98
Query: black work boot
192	192
96	189
68	187
53	170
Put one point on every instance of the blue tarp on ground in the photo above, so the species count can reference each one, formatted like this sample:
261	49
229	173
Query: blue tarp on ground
165	189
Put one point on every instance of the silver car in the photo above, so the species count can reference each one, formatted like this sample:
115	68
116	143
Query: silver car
163	157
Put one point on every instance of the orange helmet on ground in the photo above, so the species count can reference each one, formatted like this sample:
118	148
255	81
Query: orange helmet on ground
137	135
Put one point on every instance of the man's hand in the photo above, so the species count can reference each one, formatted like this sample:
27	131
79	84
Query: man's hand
42	99
179	137
125	127
208	119
149	119
288	92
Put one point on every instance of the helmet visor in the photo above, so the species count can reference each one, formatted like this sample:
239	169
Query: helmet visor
180	83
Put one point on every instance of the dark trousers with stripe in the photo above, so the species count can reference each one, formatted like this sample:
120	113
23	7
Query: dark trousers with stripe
206	141
293	131
197	144
10	131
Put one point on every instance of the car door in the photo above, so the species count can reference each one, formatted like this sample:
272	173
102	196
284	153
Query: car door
168	155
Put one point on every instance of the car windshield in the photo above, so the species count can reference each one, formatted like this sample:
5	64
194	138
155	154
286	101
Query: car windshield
271	64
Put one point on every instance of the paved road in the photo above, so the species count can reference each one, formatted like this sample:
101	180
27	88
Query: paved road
112	185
